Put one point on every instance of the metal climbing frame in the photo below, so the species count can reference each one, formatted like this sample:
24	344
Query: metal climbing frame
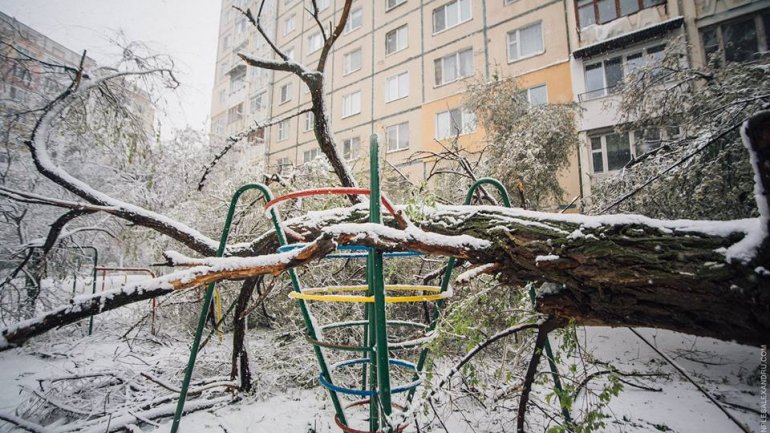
376	388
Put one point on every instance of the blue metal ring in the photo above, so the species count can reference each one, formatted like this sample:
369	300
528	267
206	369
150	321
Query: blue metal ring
361	255
368	392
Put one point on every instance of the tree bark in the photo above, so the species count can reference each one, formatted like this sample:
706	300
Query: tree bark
240	361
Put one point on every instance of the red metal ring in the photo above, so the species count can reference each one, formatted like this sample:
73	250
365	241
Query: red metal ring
324	191
348	429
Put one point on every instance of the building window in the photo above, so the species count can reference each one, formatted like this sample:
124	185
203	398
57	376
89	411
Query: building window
323	4
283	130
351	104
397	137
390	4
355	20
350	148
451	14
289	24
525	42
739	40
396	40
309	119
222	96
235	113
351	62
290	53
237	79
609	152
397	86
608	10
282	164
538	95
603	78
453	66
310	155
286	93
456	121
258	102
240	26
314	42
612	151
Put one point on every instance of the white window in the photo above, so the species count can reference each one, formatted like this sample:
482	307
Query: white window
351	104
314	42
355	20
396	40
309	118
237	79
453	66
538	95
451	14
286	93
323	4
397	86
289	24
310	155
282	164
235	113
525	42
351	62
240	25
222	96
290	53
397	136
390	4
609	152
604	77
454	122
258	102
350	148
283	130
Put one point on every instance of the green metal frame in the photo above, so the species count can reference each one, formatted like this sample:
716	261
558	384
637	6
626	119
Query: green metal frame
281	235
445	285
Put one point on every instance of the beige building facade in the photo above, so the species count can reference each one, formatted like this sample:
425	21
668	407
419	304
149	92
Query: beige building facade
401	69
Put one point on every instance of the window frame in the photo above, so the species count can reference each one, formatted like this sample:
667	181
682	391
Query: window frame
517	32
311	154
315	36
761	35
636	140
646	57
345	62
616	4
349	26
285	91
458	67
398	128
349	99
308	120
398	95
529	93
350	148
397	4
395	31
444	8
453	131
290	19
283	130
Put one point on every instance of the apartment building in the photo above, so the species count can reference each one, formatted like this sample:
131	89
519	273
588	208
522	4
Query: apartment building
611	38
241	96
25	83
400	69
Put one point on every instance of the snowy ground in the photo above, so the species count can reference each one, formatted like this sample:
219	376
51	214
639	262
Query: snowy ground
286	400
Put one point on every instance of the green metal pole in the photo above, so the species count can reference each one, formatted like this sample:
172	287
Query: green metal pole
210	290
378	286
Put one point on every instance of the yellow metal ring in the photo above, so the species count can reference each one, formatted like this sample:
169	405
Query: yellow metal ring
321	294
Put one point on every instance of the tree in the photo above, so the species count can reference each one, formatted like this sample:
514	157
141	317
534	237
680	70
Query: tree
527	143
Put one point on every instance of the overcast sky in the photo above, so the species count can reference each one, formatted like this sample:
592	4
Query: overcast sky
185	29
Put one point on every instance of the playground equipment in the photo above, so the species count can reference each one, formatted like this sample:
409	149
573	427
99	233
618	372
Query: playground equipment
376	390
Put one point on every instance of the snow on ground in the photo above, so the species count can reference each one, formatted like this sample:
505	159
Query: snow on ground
286	399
